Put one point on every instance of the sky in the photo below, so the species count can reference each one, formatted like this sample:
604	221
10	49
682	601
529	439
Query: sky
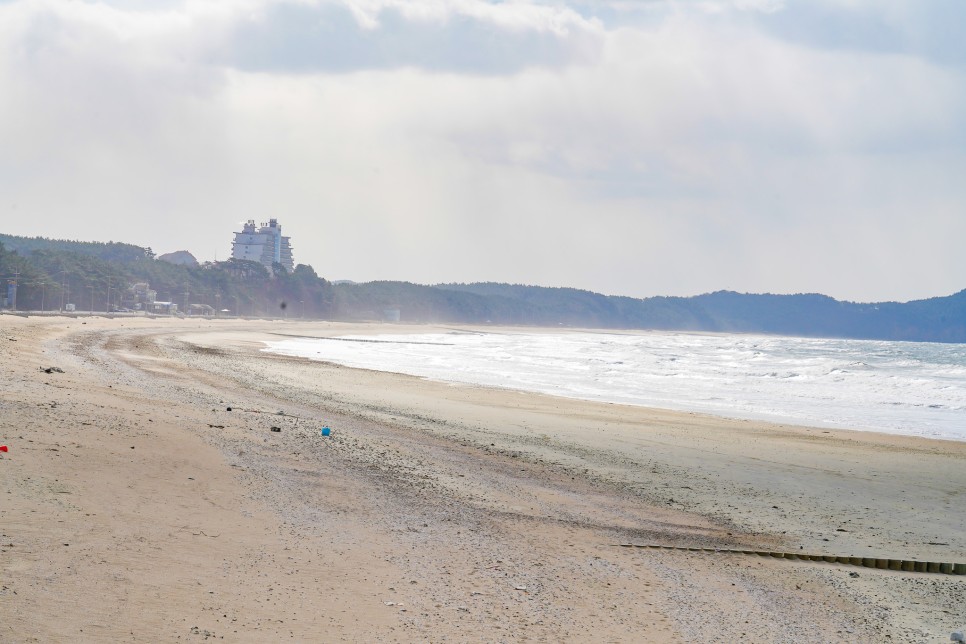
628	147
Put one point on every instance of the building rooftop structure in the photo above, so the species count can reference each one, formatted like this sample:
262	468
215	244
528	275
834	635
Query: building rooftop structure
264	245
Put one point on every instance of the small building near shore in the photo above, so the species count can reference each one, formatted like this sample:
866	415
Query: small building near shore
162	308
200	309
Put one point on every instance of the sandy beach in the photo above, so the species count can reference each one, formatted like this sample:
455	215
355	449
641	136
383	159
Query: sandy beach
137	507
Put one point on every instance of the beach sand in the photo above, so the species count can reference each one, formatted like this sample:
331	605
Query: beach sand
135	506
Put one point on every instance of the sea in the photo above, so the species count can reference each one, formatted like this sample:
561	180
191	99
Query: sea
912	388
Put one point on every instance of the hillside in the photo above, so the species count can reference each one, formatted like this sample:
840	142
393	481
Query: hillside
99	277
52	272
941	319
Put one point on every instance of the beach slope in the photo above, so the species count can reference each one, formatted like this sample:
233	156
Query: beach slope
137	506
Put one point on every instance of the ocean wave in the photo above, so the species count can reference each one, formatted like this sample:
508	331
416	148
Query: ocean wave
906	388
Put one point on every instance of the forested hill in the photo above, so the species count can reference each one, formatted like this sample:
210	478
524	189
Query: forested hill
941	319
97	276
94	276
107	251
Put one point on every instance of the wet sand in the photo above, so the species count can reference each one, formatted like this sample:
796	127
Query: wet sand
136	506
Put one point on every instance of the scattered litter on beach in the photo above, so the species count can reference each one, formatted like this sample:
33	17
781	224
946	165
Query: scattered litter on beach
276	429
204	633
52	370
259	411
326	431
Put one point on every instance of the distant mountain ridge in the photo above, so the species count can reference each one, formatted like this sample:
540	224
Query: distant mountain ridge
939	319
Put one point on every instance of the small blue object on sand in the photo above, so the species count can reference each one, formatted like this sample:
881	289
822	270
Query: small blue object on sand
325	431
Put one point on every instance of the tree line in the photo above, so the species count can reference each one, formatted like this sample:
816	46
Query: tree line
99	276
96	276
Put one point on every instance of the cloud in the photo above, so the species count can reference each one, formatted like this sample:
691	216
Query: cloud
666	102
465	36
672	148
100	125
923	30
627	171
299	36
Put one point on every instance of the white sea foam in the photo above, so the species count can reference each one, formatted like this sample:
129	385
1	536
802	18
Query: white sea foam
896	387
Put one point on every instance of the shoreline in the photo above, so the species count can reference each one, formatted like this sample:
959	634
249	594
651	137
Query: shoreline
808	411
440	500
399	398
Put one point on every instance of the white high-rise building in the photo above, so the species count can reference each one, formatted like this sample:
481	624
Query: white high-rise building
264	245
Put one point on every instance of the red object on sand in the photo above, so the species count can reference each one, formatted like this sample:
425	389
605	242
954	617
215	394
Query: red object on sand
3	448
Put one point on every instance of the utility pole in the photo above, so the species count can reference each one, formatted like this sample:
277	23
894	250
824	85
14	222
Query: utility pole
43	296
186	298
12	289
63	280
16	280
92	299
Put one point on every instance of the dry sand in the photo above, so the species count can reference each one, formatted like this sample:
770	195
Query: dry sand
136	507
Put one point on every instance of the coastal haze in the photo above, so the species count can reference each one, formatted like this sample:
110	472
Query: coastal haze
652	148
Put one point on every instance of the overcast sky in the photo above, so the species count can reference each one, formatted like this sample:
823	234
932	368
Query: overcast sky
628	147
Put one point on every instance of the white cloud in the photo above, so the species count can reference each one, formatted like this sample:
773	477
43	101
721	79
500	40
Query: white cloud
517	16
692	151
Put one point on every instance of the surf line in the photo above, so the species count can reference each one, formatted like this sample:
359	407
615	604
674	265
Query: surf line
901	565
